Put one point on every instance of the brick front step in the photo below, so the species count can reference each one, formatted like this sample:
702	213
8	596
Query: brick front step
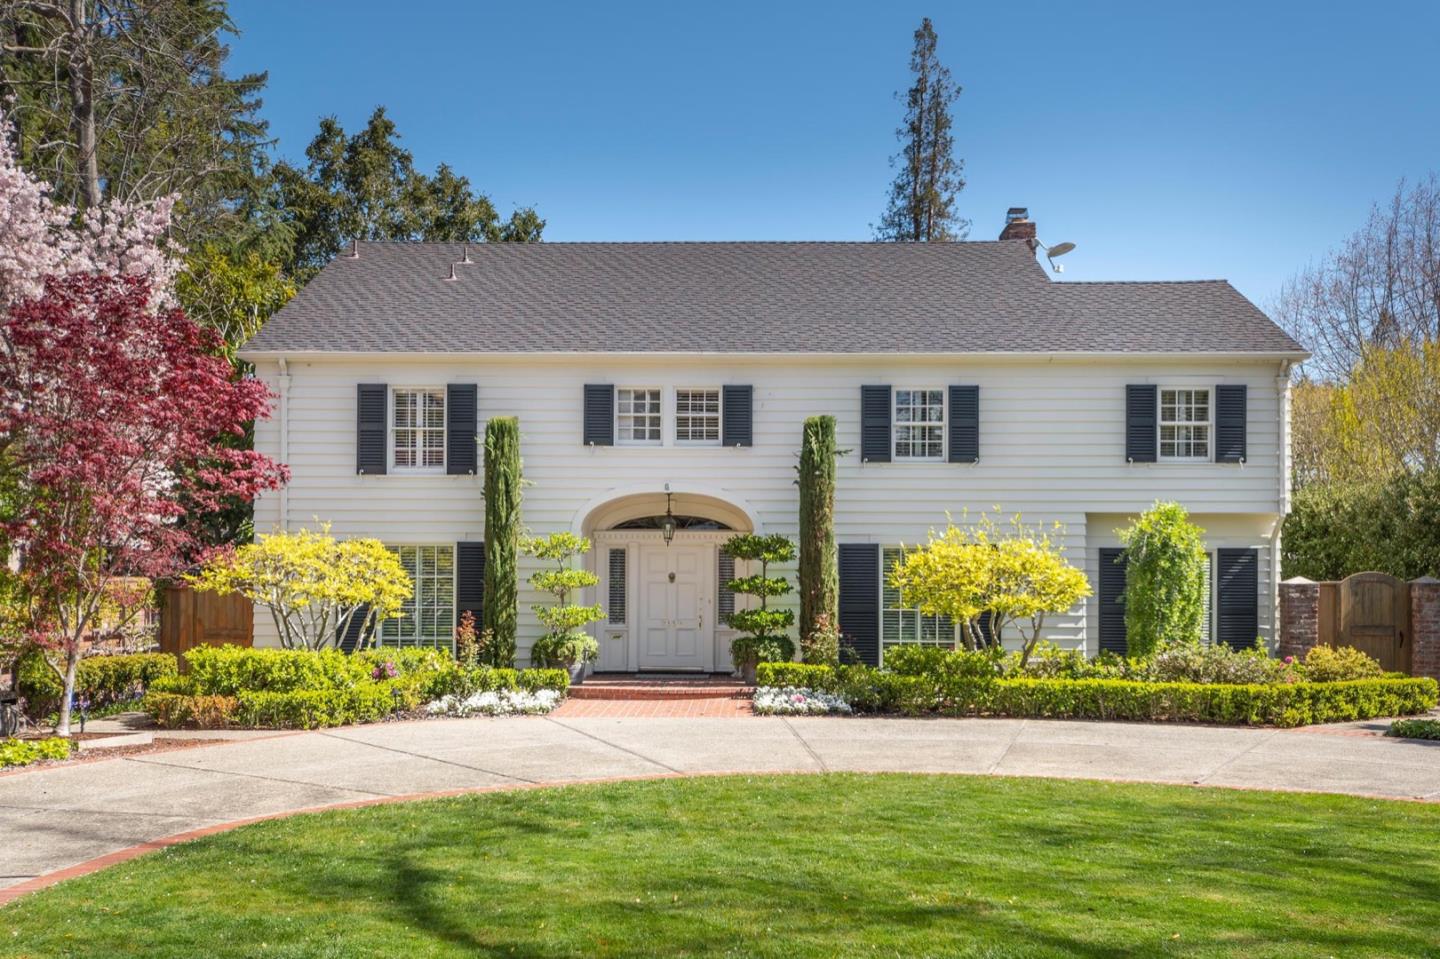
664	689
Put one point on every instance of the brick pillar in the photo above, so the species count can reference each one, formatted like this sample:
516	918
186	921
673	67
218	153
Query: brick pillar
1425	627
1299	617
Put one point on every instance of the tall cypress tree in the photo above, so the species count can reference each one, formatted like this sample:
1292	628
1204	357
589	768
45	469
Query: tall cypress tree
502	537
819	577
928	177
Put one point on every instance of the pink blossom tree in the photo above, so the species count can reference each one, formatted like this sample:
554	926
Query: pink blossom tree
40	238
114	422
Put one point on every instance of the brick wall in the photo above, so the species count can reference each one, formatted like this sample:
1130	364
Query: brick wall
1299	617
1425	627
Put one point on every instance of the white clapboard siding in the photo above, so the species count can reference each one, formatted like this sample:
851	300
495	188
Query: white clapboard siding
1052	447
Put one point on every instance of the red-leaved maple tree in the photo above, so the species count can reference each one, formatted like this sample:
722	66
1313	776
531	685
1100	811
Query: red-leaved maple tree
113	421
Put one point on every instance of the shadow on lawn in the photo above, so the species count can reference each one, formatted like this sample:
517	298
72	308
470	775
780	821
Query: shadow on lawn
815	920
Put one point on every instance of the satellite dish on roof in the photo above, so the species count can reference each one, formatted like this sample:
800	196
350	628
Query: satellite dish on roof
1059	249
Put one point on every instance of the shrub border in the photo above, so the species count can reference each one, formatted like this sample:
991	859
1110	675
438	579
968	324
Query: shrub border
1271	704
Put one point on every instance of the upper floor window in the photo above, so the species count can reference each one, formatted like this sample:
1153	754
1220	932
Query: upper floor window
427	618
919	424
697	417
1184	424
637	416
417	434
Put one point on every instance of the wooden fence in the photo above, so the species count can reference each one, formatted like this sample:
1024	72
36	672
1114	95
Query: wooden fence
189	618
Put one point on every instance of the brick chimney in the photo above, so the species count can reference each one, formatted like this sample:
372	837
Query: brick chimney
1018	225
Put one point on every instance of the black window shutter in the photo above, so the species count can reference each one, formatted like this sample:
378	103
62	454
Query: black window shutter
1230	401
1112	601
1237	573
860	600
1140	415
737	408
470	581
875	424
599	414
349	640
987	627
460	428
964	424
372	407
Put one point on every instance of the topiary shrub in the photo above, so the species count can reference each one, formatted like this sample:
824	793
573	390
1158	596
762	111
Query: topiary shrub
502	539
765	630
1164	580
565	643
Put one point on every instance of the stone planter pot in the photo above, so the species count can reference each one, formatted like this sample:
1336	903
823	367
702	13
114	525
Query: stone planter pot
578	672
747	672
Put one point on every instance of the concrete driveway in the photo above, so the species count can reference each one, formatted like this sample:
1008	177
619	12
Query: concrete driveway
57	818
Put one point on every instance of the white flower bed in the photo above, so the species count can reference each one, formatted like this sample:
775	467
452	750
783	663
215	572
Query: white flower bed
504	702
797	701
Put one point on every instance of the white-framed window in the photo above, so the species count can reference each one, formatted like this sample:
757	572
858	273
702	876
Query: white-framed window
697	417
1184	424
637	417
919	424
428	617
417	430
901	625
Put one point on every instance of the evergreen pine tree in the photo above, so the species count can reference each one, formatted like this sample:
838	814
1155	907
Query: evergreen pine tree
929	177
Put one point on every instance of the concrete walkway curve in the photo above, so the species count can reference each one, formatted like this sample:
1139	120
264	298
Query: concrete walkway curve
54	819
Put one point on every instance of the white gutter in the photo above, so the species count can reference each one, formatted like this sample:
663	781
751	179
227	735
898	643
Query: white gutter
789	355
284	440
1282	405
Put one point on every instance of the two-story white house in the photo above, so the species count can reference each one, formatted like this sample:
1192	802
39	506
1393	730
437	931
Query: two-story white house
675	377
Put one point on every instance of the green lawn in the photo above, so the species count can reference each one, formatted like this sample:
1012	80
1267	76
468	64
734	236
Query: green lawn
837	865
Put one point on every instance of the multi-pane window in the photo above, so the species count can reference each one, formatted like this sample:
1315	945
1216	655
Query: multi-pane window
1185	424
900	624
919	424
637	416
418	434
697	416
428	617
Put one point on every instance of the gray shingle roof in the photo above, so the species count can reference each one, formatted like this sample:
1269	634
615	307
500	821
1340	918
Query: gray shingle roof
984	297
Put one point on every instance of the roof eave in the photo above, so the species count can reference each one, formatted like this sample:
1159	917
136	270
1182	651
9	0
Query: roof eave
1253	355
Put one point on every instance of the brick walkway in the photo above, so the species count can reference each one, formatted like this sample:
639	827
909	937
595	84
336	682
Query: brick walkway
672	708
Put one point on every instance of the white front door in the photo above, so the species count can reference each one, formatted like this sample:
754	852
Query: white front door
675	632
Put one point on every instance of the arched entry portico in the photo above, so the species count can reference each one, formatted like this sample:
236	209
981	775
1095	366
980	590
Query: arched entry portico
663	601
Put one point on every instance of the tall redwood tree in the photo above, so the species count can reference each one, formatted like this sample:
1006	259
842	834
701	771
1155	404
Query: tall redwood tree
113	423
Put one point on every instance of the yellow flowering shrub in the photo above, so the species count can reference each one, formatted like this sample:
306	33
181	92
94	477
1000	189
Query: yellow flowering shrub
1018	575
313	584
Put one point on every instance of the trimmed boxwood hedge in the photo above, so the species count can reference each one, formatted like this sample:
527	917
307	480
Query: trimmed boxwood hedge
1275	704
298	689
107	680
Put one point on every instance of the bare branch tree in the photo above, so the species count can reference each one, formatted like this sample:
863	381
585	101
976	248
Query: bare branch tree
1380	288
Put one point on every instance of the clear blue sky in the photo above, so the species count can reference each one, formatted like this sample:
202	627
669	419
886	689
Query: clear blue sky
1215	139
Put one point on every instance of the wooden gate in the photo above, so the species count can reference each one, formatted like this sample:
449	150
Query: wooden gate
189	618
1371	612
